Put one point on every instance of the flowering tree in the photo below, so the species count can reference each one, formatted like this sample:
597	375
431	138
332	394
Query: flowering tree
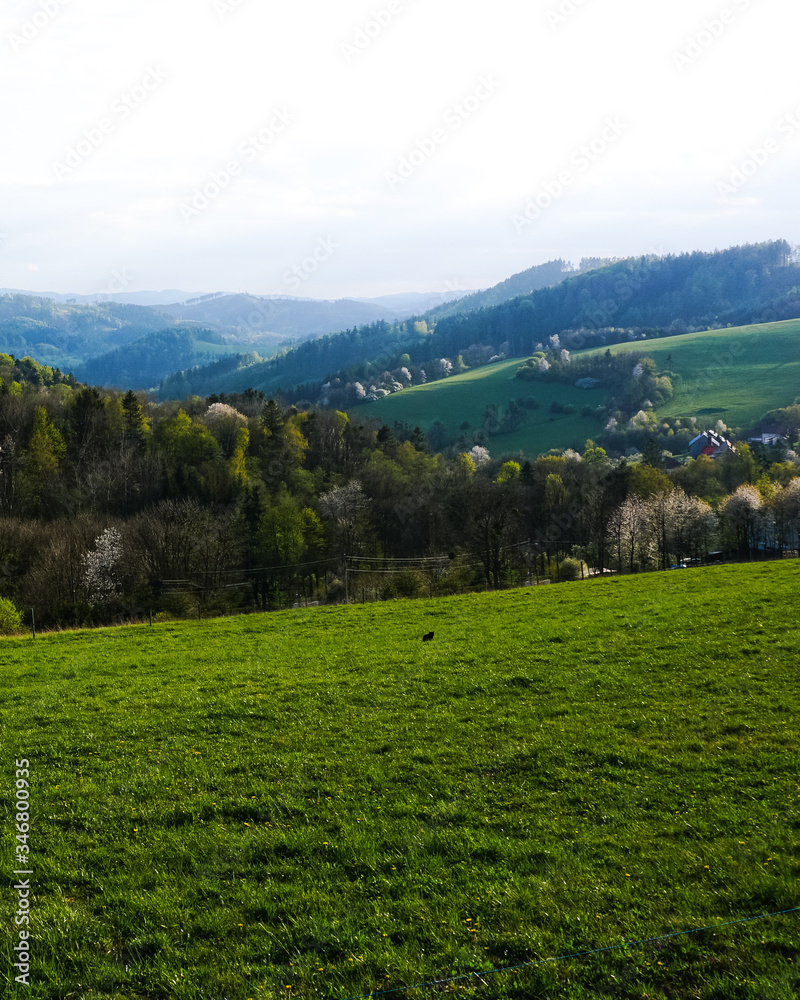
479	455
227	425
629	532
741	511
680	525
101	572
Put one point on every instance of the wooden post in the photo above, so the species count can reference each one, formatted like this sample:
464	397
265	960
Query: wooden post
33	623
151	616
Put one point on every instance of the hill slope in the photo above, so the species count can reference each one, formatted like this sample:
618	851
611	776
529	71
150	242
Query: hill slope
737	374
752	283
142	364
318	800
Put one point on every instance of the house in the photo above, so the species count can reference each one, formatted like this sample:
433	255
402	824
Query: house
710	443
770	434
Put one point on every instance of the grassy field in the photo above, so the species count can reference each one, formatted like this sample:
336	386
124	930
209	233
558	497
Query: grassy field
316	804
736	375
463	398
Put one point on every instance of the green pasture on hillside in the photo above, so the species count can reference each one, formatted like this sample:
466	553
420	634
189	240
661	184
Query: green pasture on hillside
314	803
736	375
463	399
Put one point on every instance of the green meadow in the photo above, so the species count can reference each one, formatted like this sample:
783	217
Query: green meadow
736	375
462	399
314	803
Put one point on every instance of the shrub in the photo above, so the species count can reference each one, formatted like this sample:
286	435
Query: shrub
406	583
570	569
10	618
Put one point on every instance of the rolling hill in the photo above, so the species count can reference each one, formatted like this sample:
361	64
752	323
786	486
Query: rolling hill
143	363
735	374
668	295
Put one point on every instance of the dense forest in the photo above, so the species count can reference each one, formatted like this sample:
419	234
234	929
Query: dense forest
113	505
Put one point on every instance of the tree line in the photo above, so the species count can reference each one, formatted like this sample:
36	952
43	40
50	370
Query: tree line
113	504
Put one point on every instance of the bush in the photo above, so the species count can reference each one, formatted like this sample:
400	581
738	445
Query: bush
570	569
406	583
10	618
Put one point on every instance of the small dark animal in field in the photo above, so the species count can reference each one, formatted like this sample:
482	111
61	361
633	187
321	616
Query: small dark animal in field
428	637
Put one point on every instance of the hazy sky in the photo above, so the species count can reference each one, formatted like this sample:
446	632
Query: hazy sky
344	148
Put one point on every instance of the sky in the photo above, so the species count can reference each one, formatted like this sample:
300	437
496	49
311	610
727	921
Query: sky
365	148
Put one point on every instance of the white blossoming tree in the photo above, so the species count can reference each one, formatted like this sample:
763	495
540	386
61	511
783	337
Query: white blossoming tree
101	568
741	511
479	455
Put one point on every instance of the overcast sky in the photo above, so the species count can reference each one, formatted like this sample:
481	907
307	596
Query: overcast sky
360	148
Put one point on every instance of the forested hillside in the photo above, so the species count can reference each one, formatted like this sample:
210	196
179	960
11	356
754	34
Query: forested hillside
541	276
623	300
143	363
133	346
65	334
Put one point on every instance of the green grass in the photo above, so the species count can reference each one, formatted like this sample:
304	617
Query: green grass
736	375
463	398
317	804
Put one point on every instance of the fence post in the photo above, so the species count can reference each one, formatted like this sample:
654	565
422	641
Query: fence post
33	623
